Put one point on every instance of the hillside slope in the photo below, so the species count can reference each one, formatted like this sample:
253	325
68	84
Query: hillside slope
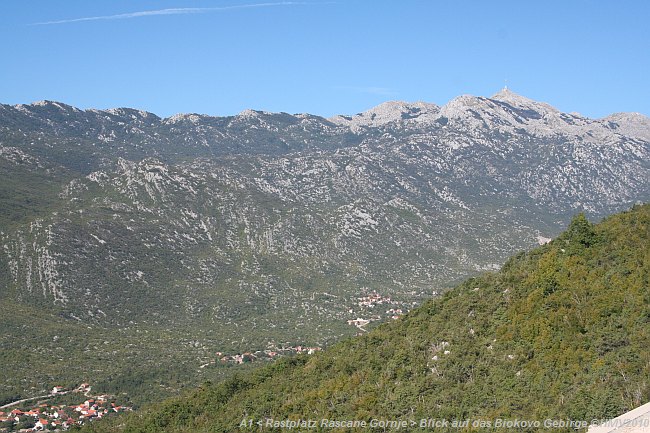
560	332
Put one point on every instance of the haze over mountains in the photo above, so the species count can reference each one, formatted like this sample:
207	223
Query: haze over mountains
269	227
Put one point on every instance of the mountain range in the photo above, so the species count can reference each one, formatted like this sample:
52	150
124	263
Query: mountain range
119	228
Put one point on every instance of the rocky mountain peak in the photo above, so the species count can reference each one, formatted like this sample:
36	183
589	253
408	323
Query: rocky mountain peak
460	105
516	100
46	106
52	104
507	95
630	124
131	113
183	117
513	114
389	112
249	113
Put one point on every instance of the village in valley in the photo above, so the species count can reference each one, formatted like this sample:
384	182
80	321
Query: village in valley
263	355
364	305
63	408
39	415
372	300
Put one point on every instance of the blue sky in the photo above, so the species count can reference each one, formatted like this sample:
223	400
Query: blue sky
325	57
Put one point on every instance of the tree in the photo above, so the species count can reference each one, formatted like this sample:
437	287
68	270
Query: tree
7	425
580	234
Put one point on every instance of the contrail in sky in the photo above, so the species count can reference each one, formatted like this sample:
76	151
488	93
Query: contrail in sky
170	11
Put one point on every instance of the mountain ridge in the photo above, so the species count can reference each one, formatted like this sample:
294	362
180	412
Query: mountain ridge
505	112
504	95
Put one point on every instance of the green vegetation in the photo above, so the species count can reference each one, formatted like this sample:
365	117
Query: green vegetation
560	332
39	351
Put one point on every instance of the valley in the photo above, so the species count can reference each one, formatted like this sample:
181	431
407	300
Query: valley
555	340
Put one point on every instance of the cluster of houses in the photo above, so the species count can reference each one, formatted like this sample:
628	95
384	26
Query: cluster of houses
266	355
359	323
395	313
46	417
375	299
371	301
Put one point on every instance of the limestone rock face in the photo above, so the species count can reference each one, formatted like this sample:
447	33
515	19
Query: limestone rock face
243	222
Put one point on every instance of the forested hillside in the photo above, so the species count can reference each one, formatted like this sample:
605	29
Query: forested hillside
560	332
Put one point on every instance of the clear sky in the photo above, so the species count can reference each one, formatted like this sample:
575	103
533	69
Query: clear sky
324	57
